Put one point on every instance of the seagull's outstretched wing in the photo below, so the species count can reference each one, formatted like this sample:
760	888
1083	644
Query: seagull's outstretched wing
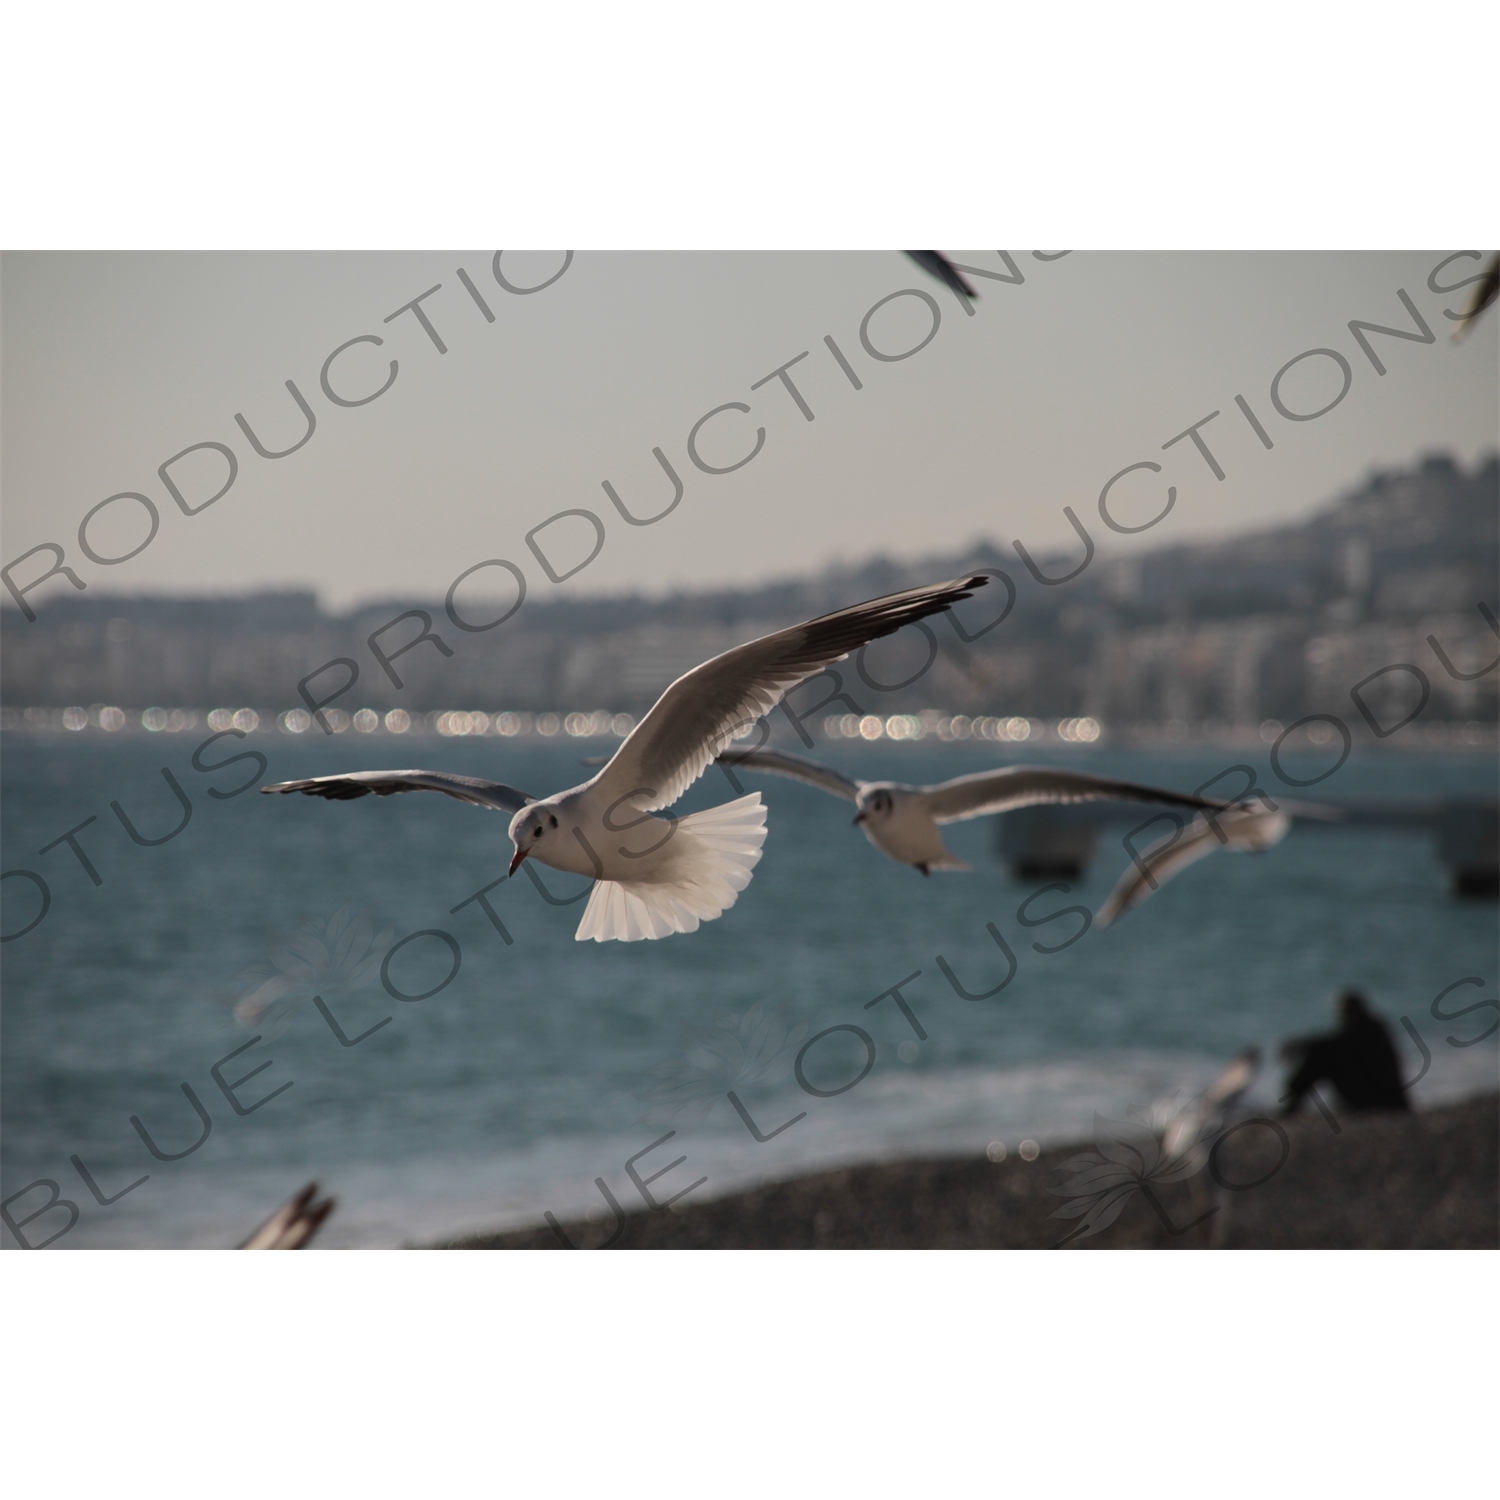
798	767
985	792
938	264
1245	829
293	1224
700	714
492	794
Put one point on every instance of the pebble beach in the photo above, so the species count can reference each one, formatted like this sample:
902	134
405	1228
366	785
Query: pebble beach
1428	1180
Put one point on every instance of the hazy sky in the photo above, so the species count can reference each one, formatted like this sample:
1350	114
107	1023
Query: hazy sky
113	363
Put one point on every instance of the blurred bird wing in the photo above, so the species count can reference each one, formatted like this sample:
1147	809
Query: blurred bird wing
1480	298
1230	1084
293	1224
935	263
491	794
1158	864
701	713
1244	829
799	768
986	792
1182	1132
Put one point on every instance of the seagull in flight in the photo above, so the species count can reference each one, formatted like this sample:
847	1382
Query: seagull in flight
659	875
293	1224
903	821
1243	829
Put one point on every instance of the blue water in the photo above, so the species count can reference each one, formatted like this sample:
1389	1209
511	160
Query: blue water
511	1089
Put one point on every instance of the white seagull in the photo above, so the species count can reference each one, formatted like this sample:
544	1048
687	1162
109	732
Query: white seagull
1243	829
903	821
666	874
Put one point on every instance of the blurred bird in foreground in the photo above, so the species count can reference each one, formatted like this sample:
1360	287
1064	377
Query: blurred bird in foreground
1244	829
293	1224
1484	293
1190	1134
1207	1114
937	264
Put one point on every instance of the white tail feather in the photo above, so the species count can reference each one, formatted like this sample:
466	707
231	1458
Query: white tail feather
713	854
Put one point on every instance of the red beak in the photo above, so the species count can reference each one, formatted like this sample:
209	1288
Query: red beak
859	817
515	863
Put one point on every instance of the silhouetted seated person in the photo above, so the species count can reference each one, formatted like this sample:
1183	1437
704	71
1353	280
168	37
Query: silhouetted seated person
1359	1060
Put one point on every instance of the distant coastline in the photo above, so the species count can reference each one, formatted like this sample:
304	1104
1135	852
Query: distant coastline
1187	642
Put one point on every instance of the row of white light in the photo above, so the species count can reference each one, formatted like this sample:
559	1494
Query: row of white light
455	722
460	723
173	721
600	723
298	721
956	727
1078	731
580	725
921	726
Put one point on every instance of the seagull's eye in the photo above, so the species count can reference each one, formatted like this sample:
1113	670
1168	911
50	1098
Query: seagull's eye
536	833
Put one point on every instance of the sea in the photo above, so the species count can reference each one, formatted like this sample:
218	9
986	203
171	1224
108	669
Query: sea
473	1067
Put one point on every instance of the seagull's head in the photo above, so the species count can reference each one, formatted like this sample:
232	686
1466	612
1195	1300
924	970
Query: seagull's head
875	804
530	829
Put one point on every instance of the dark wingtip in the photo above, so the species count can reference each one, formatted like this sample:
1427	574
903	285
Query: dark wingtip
330	791
309	1215
935	263
316	1216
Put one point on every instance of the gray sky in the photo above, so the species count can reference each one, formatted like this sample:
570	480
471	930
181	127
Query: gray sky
112	363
